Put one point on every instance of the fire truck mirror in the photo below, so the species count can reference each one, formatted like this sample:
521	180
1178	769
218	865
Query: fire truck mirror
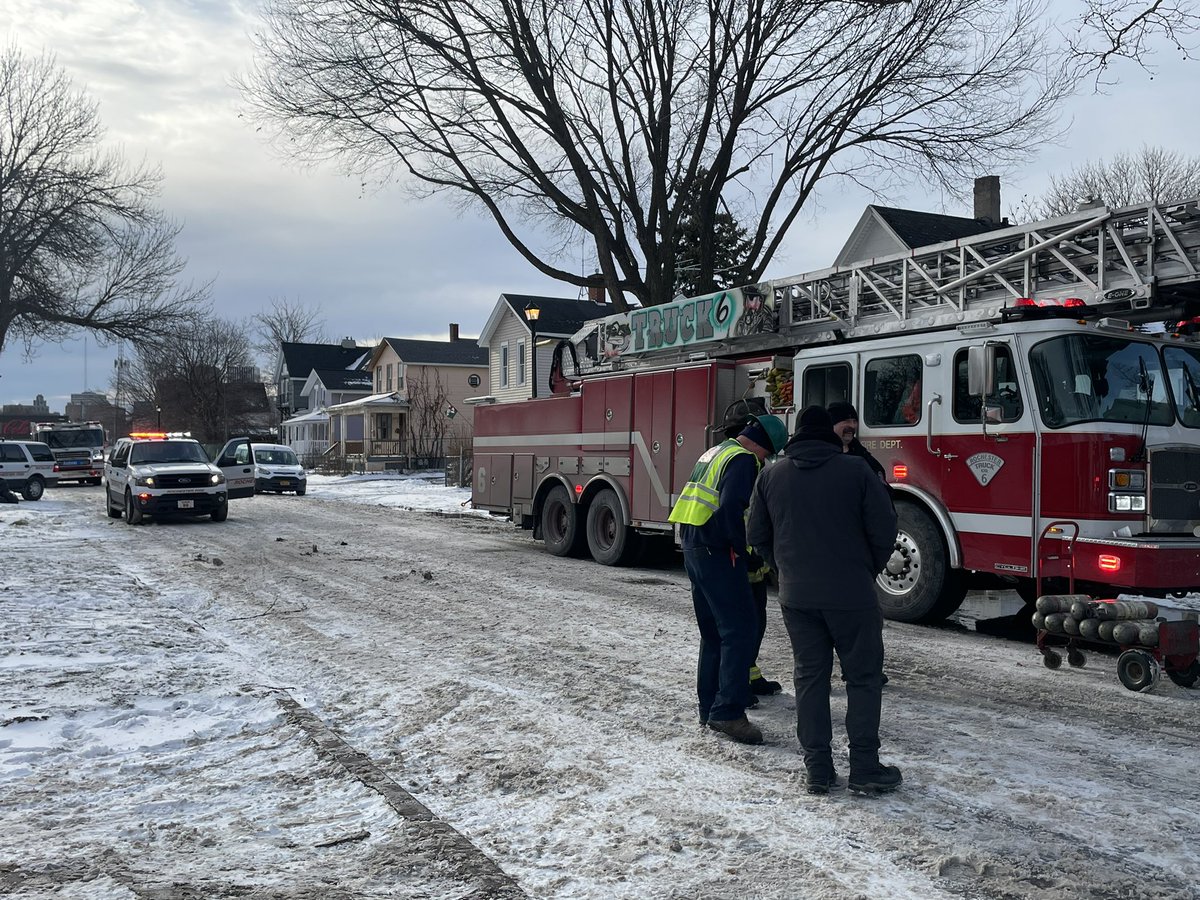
993	412
981	370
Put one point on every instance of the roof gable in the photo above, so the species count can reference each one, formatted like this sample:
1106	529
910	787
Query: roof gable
883	230
559	317
463	352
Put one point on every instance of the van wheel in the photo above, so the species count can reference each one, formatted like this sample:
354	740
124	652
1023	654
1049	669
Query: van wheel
561	528
114	512
926	589
611	541
133	515
34	488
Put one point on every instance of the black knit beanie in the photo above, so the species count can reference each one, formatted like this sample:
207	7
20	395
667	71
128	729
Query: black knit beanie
841	411
814	419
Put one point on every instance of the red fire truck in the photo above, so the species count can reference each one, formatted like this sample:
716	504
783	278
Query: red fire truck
1037	421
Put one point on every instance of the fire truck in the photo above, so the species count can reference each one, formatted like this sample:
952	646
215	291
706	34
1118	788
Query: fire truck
78	448
1033	394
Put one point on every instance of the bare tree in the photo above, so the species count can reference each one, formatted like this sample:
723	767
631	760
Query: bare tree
81	246
1151	174
1112	30
204	381
287	321
596	120
427	420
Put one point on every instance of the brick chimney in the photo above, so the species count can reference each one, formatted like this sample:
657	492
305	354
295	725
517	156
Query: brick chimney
596	292
453	332
987	199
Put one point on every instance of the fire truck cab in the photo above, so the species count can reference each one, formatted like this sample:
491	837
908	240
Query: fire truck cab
1032	393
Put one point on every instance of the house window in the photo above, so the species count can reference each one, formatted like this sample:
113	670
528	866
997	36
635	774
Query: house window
504	365
399	376
520	362
379	381
383	426
389	376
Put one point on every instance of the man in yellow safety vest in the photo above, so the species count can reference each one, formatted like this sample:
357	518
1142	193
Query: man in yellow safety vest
711	512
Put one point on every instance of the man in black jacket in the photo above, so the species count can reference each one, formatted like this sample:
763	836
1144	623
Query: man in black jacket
825	523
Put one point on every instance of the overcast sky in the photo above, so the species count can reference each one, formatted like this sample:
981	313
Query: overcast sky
382	264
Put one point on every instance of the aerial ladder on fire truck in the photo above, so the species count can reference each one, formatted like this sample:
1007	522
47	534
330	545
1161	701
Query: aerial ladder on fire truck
1139	263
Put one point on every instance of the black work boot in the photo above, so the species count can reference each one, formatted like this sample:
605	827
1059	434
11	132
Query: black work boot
741	730
764	687
820	782
881	780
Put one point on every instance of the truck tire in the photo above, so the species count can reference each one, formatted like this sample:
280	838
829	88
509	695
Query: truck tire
927	590
221	513
561	528
610	540
34	488
133	515
114	512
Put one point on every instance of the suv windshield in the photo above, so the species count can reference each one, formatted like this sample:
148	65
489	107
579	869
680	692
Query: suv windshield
67	440
1099	378
275	457
166	452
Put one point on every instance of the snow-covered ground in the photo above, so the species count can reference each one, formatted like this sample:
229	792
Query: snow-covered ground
349	695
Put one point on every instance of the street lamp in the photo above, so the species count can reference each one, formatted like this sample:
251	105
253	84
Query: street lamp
158	409
532	311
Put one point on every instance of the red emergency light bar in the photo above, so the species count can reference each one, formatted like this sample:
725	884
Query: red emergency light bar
1066	302
147	435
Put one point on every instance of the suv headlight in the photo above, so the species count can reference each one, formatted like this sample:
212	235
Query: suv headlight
261	472
217	478
144	481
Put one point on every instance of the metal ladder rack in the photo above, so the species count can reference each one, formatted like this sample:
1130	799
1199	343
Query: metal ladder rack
1095	256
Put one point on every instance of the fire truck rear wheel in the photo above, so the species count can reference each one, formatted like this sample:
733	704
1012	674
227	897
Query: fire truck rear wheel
612	542
926	589
561	528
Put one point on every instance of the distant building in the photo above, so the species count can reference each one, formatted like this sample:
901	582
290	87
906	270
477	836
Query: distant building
38	407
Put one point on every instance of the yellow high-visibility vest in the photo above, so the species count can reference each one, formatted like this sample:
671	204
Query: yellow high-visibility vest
700	497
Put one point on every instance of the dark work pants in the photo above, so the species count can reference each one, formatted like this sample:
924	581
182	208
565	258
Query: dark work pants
857	637
758	589
728	631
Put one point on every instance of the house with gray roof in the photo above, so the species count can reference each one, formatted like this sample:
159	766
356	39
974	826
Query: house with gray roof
296	362
509	341
885	231
414	414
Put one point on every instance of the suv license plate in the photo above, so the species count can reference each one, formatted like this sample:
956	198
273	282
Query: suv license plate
187	504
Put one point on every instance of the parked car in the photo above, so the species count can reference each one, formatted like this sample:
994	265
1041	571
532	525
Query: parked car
27	468
276	468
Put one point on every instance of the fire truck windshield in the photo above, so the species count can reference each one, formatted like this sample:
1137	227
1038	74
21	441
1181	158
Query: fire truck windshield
1183	369
1099	378
69	440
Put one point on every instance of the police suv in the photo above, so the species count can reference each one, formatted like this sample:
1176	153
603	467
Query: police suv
157	474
